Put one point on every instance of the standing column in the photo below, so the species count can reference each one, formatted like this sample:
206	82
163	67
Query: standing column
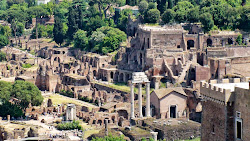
106	127
140	99
132	115
148	100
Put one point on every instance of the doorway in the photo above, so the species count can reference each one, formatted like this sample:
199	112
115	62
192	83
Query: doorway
173	111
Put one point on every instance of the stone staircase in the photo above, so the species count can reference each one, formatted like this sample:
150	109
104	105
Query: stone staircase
183	73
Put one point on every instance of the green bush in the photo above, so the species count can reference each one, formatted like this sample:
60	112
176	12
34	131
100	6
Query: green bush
26	65
69	126
67	93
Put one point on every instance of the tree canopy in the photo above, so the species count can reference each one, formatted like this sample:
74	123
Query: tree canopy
27	92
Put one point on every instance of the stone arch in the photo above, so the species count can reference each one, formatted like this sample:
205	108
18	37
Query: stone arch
99	122
190	44
230	41
107	119
123	113
209	42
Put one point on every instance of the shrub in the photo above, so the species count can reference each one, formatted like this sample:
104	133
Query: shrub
69	126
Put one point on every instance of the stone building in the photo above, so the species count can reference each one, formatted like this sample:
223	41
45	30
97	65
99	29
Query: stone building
225	112
169	103
70	112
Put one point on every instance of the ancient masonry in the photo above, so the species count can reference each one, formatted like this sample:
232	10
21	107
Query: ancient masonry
225	109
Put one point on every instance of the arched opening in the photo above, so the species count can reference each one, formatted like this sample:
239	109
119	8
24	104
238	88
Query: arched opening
111	75
94	72
127	77
113	119
209	42
230	41
99	122
123	113
121	77
190	44
55	59
148	42
94	121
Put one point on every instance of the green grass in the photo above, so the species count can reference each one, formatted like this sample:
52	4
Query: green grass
196	139
124	87
26	65
58	99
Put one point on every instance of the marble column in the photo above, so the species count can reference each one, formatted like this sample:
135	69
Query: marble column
106	127
154	134
140	99
148	100
132	115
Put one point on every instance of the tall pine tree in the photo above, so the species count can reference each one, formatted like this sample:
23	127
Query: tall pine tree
58	31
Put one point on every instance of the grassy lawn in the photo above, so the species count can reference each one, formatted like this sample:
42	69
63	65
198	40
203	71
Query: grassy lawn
124	87
58	99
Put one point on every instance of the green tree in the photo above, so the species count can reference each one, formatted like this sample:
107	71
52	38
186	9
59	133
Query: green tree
193	15
244	21
143	6
207	21
27	92
81	40
8	108
5	30
239	39
170	4
94	23
3	41
2	56
31	2
76	18
182	8
3	5
152	5
5	87
41	32
123	19
58	33
168	16
113	38
162	5
95	40
153	15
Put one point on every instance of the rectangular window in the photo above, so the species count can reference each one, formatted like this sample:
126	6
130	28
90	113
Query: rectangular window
239	128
